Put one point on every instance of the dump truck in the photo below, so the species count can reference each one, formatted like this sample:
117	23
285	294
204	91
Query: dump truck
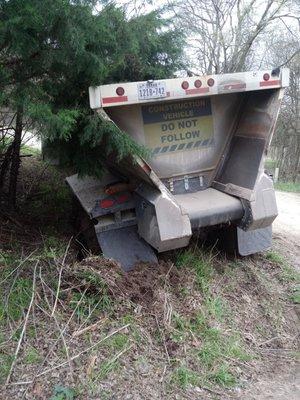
208	137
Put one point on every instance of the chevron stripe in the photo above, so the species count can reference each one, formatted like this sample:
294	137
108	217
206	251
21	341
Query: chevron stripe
183	146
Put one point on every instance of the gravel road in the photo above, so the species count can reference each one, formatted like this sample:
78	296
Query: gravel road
288	220
286	227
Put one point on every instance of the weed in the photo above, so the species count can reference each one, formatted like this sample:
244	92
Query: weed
215	307
106	368
295	296
276	258
200	262
62	393
118	341
184	377
223	377
32	356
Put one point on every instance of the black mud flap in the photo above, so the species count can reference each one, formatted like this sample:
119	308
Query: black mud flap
251	242
126	247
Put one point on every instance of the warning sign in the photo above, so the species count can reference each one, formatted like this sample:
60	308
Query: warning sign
178	126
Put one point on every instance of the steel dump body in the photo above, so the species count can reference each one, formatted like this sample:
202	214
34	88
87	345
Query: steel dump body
208	138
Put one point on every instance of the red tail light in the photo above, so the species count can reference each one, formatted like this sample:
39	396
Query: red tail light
120	91
198	83
266	77
106	203
211	82
185	85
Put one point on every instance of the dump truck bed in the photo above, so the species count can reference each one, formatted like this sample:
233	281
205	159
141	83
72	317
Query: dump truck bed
208	137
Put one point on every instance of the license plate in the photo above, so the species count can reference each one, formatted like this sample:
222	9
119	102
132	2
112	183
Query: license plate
152	90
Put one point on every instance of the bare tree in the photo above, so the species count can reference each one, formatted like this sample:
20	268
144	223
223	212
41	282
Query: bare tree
286	142
223	34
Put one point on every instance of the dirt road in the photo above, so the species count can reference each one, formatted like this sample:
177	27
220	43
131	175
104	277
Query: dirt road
286	227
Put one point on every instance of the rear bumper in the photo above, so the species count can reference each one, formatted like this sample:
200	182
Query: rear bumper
210	207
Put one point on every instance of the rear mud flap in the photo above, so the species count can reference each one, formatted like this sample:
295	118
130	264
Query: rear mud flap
126	247
251	242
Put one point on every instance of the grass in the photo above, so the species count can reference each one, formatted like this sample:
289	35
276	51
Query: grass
28	150
295	296
62	393
183	377
216	346
287	186
5	363
200	262
17	300
288	273
32	356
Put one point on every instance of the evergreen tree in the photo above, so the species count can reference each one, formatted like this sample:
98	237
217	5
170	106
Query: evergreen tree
51	51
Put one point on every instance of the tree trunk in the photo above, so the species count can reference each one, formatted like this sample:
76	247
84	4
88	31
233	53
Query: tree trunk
15	160
5	165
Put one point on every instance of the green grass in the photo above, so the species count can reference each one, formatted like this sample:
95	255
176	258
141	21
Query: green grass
17	299
223	377
183	377
295	296
62	393
32	356
28	150
216	347
287	186
117	342
106	368
200	262
5	364
288	273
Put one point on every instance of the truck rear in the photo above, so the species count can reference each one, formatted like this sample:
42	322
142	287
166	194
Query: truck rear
208	138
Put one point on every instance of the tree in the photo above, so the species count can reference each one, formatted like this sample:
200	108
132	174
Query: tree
224	34
286	142
51	51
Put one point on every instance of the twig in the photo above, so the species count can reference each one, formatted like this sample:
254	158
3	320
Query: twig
24	327
17	267
87	328
164	339
59	277
268	341
65	346
46	371
118	355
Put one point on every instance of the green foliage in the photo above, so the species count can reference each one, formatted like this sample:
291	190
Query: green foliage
62	393
53	50
288	186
